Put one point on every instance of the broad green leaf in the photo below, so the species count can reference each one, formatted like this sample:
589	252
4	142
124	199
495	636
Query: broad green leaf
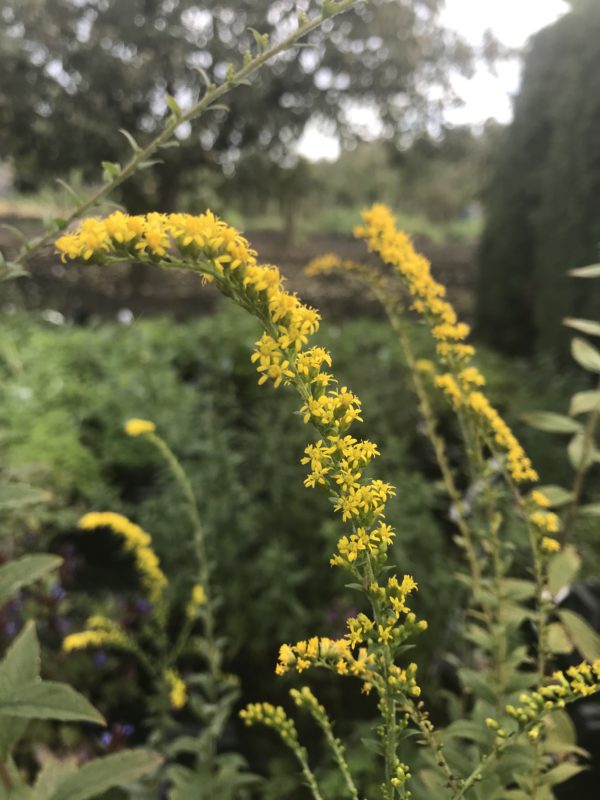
101	774
53	772
589	510
20	495
593	271
584	637
589	326
551	423
584	402
581	454
559	641
557	495
22	572
46	700
586	355
560	727
562	773
563	568
21	665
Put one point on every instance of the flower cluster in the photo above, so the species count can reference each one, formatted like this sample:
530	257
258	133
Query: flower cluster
577	682
395	248
137	542
273	717
139	427
101	632
152	236
210	246
544	522
177	689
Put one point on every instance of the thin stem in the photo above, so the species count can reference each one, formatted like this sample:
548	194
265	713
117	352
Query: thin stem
183	481
324	723
581	472
212	95
421	720
300	754
5	777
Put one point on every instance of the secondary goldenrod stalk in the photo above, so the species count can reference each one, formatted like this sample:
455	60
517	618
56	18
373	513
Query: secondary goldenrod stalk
275	717
480	422
306	699
212	95
490	612
423	723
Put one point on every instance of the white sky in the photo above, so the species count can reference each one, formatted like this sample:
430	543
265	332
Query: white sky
485	95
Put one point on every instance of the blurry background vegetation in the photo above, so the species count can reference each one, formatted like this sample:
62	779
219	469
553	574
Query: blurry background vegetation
503	212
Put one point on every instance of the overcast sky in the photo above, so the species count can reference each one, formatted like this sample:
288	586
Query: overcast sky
486	95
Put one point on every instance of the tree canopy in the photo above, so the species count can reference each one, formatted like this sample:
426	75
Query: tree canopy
75	71
543	202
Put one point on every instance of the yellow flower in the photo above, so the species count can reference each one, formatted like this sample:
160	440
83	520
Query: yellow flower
177	689
550	545
138	427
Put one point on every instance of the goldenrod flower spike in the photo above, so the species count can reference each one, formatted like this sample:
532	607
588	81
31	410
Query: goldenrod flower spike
136	541
139	427
177	689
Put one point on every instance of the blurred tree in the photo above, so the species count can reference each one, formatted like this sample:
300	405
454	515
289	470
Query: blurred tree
543	202
75	71
436	176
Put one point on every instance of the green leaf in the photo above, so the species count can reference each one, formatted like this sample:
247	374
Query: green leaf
559	641
586	355
111	170
46	700
589	326
261	39
22	572
101	774
563	568
21	664
584	637
53	772
557	495
132	142
580	455
20	495
584	402
593	271
589	510
562	773
551	423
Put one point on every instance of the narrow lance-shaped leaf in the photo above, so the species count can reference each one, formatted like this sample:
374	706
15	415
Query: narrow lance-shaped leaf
21	664
589	326
22	572
593	271
584	402
46	700
101	774
551	423
586	355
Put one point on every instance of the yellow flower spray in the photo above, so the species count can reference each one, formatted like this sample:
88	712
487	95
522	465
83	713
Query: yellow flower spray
336	460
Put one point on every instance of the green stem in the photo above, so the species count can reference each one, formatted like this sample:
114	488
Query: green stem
580	475
300	754
212	95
